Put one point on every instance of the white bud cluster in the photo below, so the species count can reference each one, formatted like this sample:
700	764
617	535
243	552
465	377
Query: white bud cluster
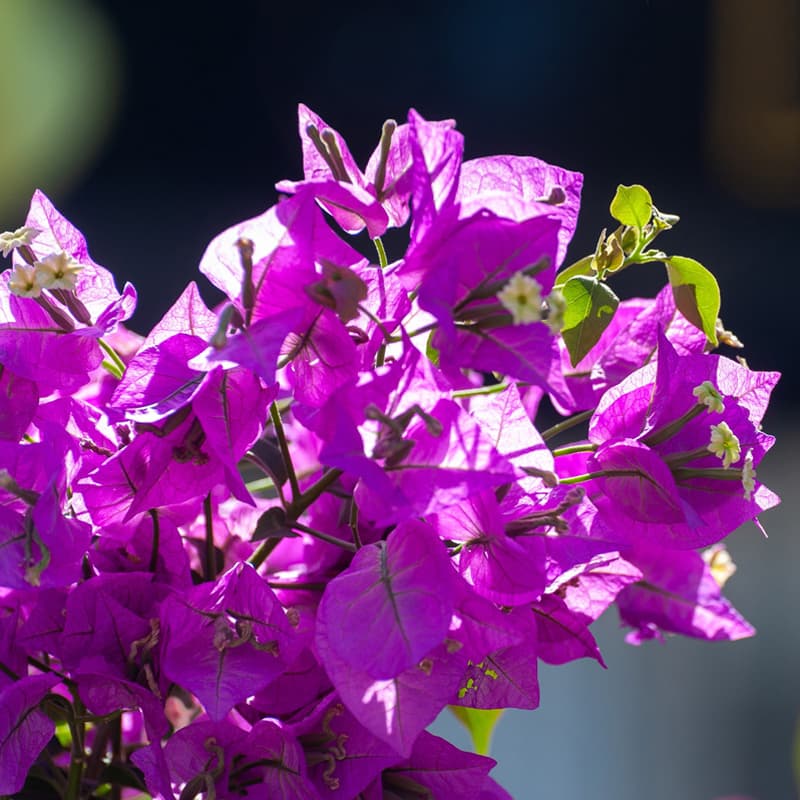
56	271
21	237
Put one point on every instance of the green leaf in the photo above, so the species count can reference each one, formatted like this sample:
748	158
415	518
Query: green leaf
581	267
63	734
632	205
430	351
610	257
272	524
590	308
696	294
480	722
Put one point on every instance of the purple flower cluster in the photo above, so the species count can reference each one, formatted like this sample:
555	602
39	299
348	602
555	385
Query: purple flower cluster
257	552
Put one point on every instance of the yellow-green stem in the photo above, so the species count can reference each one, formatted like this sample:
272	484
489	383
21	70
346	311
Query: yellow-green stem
283	443
116	367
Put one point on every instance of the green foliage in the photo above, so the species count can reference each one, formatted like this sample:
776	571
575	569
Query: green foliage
609	255
696	294
591	305
431	352
632	205
590	302
581	267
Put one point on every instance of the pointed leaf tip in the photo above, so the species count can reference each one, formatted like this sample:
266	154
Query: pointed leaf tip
696	294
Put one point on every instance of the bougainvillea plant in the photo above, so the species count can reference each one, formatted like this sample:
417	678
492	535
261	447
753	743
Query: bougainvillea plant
258	551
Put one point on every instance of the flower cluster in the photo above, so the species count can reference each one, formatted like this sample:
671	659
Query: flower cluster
256	552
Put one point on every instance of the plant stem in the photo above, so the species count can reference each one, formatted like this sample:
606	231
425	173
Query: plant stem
280	433
575	448
667	431
115	364
381	354
382	259
156	540
74	779
424	329
324	537
603	473
8	672
210	550
299	586
354	524
566	424
495	388
263	551
263	484
296	508
77	755
679	459
42	667
116	752
718	473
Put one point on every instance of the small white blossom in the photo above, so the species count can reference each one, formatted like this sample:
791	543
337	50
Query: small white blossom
748	476
57	271
23	281
522	297
557	305
725	444
720	563
707	395
11	240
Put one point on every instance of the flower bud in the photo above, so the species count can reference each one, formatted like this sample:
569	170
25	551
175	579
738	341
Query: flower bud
720	563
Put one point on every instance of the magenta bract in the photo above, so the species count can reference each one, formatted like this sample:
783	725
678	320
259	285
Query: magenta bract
264	545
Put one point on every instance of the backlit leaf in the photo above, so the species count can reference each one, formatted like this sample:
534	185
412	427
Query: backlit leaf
696	294
632	205
581	267
590	308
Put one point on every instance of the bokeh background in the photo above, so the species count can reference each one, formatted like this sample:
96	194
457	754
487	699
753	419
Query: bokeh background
155	126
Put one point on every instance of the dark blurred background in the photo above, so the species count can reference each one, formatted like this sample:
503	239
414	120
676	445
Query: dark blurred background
155	126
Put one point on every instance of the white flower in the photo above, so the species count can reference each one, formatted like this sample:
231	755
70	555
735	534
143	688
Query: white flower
720	563
557	305
57	271
23	281
11	240
748	476
522	297
707	395
725	444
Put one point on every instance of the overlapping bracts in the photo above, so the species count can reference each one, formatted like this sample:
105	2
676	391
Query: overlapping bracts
263	547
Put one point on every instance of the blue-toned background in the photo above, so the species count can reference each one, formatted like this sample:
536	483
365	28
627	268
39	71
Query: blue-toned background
155	126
